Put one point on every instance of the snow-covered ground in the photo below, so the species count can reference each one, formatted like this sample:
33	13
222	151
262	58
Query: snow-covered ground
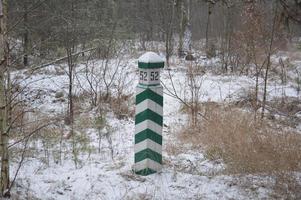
103	175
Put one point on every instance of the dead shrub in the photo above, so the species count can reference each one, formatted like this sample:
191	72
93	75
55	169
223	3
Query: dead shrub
287	105
173	148
121	107
286	186
245	145
84	121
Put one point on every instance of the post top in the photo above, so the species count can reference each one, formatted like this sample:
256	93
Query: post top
150	60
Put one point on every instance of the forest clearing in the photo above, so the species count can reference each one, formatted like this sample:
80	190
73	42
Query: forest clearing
70	99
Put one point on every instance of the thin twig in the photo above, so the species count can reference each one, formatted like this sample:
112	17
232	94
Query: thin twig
30	134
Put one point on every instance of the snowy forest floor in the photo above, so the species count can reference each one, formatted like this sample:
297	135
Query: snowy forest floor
101	167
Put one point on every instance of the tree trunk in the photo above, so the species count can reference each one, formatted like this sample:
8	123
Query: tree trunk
181	28
188	31
169	34
5	182
226	38
207	26
70	92
268	63
25	36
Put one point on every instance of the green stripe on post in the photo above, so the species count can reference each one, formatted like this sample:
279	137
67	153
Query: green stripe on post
146	172
143	65
148	134
149	114
148	153
149	94
145	85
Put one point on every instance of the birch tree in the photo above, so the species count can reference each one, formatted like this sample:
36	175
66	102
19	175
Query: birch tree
180	10
4	184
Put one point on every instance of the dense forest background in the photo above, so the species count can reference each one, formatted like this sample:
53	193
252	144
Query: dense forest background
43	29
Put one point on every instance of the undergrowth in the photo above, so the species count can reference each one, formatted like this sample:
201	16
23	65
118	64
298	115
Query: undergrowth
245	145
248	146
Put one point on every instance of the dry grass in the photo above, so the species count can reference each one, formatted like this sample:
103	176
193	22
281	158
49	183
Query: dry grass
244	145
173	148
286	186
121	106
249	147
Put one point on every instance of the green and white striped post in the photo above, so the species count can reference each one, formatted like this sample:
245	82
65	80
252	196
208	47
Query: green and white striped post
149	115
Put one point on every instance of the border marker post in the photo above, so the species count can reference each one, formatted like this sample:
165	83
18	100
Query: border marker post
149	115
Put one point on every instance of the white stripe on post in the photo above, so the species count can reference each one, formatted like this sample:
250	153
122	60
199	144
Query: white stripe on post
150	145
148	124
147	162
149	104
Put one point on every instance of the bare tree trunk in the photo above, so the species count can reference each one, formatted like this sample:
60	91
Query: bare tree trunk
109	51
268	63
182	23
188	26
226	39
5	182
169	34
25	35
70	89
207	26
70	101
256	90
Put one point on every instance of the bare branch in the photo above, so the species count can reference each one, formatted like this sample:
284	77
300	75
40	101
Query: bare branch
31	133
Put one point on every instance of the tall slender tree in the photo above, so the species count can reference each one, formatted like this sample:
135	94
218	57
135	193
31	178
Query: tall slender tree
4	56
25	34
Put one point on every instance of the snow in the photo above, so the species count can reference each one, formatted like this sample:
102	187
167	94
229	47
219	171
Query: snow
101	175
150	57
100	179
